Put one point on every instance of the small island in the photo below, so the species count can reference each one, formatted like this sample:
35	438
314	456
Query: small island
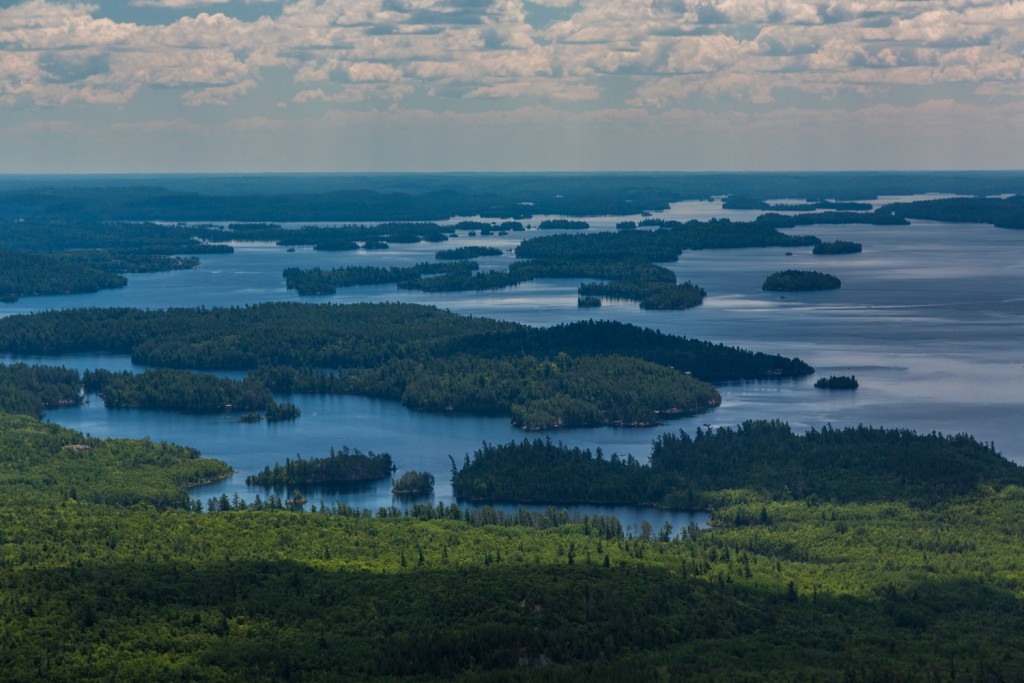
562	224
413	484
340	467
462	253
588	302
837	247
800	281
837	382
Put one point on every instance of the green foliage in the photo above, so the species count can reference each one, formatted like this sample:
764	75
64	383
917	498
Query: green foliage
339	467
562	224
413	483
853	464
180	390
1005	212
882	216
541	394
850	464
476	365
656	296
39	274
704	360
124	247
540	471
42	464
318	281
466	253
664	244
102	579
837	247
32	389
800	281
837	382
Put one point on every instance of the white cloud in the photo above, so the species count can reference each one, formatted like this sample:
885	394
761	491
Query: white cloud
601	55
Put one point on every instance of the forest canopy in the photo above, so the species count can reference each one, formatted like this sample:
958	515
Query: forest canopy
846	465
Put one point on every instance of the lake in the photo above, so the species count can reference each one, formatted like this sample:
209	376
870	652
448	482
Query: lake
929	318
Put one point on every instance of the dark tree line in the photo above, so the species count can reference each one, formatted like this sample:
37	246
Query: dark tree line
303	336
340	467
837	247
170	389
851	464
800	281
32	389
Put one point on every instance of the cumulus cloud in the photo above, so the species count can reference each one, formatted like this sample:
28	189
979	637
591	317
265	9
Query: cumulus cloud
584	54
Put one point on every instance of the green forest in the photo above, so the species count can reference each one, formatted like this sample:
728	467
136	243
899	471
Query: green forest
108	570
581	374
856	554
169	389
32	389
767	458
339	467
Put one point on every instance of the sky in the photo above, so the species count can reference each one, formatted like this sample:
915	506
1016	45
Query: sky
158	86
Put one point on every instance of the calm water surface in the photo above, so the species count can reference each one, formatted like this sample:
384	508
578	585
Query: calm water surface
929	318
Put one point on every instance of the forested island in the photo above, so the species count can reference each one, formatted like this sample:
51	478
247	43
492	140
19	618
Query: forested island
342	466
466	253
413	483
626	259
837	382
562	224
318	281
837	247
567	375
800	281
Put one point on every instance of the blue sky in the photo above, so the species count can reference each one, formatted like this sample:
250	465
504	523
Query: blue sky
494	85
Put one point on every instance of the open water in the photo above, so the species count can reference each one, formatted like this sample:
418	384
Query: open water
930	319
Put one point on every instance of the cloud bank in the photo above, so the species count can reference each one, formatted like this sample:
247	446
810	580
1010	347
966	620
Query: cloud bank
754	63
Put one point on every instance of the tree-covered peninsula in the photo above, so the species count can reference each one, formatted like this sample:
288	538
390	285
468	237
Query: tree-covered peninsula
466	253
32	389
586	391
342	466
800	281
169	389
578	374
766	457
24	274
1003	212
